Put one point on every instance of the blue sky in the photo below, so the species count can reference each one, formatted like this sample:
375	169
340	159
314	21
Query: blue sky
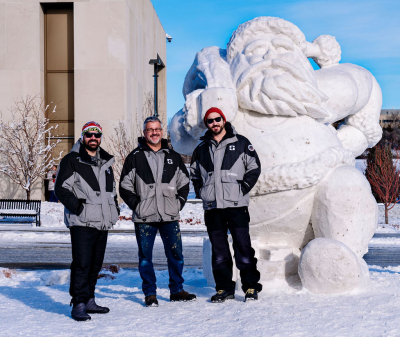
368	32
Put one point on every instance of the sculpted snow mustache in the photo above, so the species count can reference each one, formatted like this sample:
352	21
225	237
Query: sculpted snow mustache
277	87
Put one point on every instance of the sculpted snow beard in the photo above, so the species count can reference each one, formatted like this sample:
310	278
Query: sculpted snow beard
276	87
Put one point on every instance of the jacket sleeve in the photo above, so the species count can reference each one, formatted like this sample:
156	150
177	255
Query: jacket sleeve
127	189
115	196
195	174
252	168
63	187
182	183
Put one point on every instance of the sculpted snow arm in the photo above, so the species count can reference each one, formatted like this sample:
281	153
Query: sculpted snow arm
353	94
207	84
362	130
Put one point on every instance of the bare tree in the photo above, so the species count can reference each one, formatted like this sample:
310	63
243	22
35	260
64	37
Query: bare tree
123	142
122	145
25	144
384	176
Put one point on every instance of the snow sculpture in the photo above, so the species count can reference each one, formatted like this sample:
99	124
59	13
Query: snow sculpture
312	211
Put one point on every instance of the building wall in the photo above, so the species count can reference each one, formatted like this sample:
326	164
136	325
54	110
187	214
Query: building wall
389	117
113	43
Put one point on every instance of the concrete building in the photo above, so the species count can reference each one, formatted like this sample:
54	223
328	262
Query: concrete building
388	117
89	57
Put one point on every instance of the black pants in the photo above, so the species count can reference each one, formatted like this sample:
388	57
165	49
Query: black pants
236	220
88	248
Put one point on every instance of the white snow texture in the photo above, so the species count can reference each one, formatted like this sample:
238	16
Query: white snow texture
309	187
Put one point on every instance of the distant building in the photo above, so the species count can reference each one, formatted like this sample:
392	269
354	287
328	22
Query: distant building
89	57
388	117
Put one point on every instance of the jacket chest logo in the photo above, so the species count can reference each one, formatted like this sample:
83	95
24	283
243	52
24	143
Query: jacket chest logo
169	161
108	171
231	147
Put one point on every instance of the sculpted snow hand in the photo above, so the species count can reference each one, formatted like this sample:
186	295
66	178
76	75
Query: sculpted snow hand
308	187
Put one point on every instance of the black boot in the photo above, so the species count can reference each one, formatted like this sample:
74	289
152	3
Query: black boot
182	296
221	296
151	301
79	313
251	295
93	308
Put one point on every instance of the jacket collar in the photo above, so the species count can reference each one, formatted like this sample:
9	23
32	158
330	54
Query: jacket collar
145	147
230	133
84	155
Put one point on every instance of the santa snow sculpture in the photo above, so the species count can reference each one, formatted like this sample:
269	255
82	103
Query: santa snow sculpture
312	212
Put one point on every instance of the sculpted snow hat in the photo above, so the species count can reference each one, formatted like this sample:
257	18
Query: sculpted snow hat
263	25
214	110
91	126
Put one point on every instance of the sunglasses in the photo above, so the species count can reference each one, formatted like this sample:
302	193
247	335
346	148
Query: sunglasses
211	120
91	134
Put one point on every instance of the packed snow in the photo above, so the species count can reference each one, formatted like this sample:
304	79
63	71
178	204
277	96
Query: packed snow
37	303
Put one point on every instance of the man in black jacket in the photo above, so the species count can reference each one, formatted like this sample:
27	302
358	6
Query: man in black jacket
224	169
85	185
155	184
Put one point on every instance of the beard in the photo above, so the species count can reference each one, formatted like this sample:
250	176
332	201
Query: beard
217	131
148	139
276	87
90	145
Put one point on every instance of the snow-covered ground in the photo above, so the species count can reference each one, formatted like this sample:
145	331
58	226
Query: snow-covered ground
52	216
192	218
37	302
30	308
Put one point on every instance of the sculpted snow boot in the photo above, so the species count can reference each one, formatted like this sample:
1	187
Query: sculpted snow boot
93	308
79	313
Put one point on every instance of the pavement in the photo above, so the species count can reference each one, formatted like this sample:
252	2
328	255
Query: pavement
57	255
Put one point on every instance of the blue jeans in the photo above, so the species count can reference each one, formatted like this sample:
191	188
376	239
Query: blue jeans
52	197
171	237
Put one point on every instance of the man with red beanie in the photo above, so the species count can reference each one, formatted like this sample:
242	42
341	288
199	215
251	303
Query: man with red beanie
85	185
224	169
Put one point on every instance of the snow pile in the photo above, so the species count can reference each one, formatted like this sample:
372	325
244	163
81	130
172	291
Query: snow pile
192	214
52	214
55	277
13	278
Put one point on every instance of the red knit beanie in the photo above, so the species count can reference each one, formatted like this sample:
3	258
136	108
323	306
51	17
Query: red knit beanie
214	110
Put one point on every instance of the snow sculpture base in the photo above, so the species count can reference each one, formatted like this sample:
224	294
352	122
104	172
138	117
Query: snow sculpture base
276	264
330	267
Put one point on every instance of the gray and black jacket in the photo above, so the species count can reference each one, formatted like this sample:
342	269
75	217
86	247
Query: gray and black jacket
155	185
223	174
87	189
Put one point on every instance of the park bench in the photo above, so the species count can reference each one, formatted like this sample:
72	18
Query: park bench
20	209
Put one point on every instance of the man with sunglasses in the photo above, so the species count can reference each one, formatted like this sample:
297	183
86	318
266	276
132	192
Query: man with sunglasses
155	184
85	185
224	168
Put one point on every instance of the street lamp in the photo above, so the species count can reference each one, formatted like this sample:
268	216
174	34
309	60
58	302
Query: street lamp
158	66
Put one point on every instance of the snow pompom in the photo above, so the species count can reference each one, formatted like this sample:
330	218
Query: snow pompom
330	51
57	277
328	266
